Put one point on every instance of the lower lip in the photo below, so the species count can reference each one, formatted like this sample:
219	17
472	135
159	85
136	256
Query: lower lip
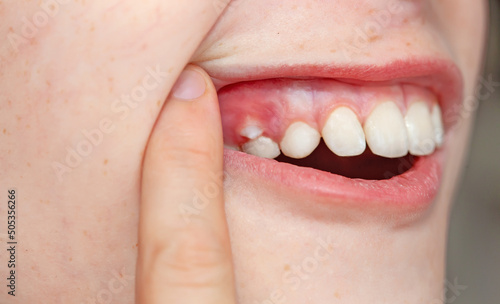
411	191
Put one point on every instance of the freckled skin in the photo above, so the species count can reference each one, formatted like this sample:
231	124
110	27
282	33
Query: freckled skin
61	84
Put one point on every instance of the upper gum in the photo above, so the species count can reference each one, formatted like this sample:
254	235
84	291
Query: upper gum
268	102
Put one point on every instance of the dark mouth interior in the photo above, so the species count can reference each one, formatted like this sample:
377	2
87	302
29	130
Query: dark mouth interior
364	166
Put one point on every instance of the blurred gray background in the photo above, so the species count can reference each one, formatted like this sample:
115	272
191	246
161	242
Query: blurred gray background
474	237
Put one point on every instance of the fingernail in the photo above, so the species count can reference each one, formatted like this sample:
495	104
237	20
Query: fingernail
190	85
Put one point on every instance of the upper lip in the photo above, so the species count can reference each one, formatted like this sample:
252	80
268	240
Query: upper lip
410	191
440	76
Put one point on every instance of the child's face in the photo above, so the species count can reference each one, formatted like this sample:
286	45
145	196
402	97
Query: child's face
277	63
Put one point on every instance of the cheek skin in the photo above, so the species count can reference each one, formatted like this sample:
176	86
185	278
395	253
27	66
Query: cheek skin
66	233
467	48
346	33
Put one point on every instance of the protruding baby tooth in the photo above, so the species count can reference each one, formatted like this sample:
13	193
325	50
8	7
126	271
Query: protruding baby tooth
262	147
420	130
343	133
251	132
300	140
437	124
385	131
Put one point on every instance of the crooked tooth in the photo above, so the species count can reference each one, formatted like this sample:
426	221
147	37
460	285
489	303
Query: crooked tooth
343	133
437	124
420	130
251	132
385	131
300	140
262	147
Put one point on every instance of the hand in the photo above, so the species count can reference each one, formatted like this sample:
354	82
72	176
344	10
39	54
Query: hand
89	58
184	250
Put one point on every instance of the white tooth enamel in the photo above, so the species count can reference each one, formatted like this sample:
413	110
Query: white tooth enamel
232	148
251	132
300	140
262	147
437	124
343	133
385	131
420	130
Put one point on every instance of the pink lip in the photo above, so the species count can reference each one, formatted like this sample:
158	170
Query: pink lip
441	76
411	191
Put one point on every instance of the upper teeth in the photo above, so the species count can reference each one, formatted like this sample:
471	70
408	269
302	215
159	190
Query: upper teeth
251	132
437	125
343	133
262	147
300	140
420	130
291	116
386	131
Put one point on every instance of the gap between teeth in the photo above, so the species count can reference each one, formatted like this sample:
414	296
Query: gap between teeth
386	131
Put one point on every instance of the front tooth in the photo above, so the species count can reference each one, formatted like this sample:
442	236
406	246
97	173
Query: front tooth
420	130
300	140
437	124
262	147
343	133
385	131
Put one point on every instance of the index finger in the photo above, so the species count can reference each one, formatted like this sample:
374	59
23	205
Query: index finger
184	252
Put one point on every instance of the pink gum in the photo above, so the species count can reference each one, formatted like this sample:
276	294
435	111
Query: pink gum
274	104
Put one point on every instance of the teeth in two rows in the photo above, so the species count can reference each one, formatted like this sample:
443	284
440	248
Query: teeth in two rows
386	132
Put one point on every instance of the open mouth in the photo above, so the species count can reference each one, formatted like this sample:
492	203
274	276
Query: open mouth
360	139
366	166
357	131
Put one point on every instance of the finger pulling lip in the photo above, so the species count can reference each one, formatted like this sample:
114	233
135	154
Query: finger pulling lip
413	190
